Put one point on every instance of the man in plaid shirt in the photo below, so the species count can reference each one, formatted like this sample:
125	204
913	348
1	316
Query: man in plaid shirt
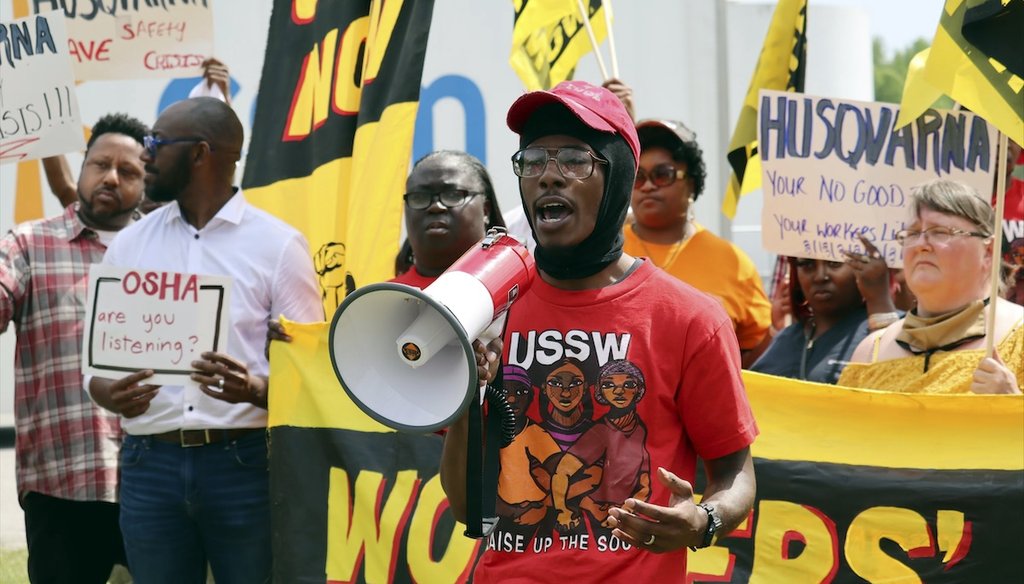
66	446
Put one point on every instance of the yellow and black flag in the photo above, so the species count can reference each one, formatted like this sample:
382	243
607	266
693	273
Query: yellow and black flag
333	130
976	59
781	67
857	485
548	39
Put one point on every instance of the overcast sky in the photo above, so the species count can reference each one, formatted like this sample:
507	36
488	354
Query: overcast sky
898	22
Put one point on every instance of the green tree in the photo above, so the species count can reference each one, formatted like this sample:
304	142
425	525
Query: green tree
891	73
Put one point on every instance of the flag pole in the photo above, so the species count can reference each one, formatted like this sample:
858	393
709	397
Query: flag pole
593	39
607	4
997	245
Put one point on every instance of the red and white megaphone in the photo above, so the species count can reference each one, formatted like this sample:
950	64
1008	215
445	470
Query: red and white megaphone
405	356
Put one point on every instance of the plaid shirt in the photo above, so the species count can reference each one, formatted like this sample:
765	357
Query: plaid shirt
66	446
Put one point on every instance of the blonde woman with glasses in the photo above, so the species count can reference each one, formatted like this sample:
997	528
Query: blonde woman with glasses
939	346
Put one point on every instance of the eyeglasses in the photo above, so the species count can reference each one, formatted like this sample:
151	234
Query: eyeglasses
152	143
419	200
939	235
573	163
660	176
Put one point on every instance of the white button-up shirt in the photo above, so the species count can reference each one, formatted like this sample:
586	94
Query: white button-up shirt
272	274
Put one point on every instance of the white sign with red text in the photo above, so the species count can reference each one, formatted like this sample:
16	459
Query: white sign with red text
136	40
138	319
38	106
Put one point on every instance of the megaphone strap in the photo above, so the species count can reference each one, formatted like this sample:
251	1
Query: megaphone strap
482	462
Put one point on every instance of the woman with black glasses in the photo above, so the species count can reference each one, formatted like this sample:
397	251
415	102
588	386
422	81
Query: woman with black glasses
939	346
668	182
449	206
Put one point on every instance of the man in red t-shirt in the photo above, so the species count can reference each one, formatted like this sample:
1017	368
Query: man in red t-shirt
635	375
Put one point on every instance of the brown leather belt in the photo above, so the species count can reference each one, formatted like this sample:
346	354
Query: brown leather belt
190	438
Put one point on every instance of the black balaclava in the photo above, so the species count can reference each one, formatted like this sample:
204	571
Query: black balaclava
604	244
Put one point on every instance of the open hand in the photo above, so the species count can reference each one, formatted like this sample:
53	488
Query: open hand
661	529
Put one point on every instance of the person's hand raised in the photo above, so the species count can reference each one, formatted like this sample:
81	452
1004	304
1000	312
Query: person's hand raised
216	73
623	92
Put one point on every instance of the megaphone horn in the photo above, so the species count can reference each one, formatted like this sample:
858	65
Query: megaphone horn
405	355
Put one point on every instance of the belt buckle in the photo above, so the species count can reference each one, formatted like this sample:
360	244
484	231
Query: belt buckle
202	440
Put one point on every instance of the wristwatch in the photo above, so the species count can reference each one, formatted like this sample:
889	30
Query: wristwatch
714	524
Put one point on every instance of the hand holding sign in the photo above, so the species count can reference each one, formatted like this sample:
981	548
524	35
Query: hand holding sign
231	379
159	321
125	396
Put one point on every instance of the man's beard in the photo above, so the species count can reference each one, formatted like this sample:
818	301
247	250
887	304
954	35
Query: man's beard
100	221
171	182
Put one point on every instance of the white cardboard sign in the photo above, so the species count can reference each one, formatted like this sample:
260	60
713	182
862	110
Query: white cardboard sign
834	169
137	319
38	106
137	40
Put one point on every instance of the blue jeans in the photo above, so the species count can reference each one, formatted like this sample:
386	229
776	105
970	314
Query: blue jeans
184	507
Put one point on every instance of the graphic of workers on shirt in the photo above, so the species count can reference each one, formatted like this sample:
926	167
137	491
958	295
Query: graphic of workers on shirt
619	436
522	505
559	467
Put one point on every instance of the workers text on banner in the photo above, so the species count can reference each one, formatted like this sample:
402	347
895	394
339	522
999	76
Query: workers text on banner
853	485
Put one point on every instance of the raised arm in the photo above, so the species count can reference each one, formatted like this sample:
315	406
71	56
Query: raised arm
58	176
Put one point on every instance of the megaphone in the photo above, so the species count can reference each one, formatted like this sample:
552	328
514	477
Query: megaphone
405	355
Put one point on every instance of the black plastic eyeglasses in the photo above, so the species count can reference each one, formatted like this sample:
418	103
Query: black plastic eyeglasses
419	200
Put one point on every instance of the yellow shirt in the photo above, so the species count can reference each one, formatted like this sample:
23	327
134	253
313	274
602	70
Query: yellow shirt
948	372
719	268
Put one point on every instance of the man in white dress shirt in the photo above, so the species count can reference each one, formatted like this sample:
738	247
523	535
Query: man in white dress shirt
194	482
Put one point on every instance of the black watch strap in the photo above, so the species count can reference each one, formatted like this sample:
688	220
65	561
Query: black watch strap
714	524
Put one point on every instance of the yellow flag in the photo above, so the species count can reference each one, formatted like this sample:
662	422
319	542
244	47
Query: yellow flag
333	131
549	38
781	66
956	67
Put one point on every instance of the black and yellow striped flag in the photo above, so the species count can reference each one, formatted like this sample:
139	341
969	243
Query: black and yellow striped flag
977	60
333	130
781	66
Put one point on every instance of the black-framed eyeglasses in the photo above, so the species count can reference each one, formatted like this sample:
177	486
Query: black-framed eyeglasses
940	235
153	143
419	200
660	176
573	163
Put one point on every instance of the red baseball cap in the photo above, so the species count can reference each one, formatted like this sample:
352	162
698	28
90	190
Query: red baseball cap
593	105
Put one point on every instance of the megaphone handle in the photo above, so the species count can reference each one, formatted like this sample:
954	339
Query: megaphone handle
482	468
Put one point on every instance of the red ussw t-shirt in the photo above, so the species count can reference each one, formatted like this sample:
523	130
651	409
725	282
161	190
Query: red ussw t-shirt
624	379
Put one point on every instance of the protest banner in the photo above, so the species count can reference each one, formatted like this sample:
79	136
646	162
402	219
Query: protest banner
835	169
38	107
136	40
333	131
152	320
852	485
